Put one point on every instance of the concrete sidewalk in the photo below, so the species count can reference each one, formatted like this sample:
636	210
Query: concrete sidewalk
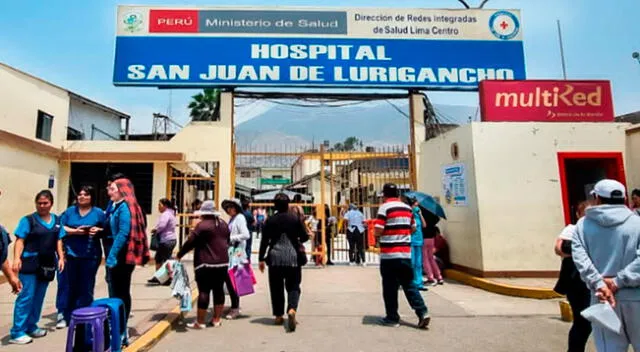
340	306
150	305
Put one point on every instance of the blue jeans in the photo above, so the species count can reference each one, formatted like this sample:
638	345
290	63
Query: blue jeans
62	295
81	280
28	307
398	273
416	263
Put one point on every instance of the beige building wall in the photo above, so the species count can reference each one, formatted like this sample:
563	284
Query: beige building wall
462	227
21	96
633	157
518	187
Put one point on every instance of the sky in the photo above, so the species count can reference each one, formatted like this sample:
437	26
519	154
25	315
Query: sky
71	43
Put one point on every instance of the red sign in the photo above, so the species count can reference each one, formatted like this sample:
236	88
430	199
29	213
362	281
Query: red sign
546	101
173	21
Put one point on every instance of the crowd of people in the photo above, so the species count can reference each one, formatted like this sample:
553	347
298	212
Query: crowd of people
601	263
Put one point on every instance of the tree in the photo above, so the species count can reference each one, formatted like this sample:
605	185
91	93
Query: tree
350	144
206	105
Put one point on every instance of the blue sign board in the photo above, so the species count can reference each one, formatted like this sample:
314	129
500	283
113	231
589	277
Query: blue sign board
422	49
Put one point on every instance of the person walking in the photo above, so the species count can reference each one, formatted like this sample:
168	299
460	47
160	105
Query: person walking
606	252
210	242
354	222
130	246
80	225
393	228
284	235
35	252
261	217
570	284
430	266
417	242
237	249
165	231
251	225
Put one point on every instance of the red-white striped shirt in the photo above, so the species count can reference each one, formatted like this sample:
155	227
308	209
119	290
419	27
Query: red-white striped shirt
395	218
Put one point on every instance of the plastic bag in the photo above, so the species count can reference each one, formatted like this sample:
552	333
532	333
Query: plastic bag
603	315
164	273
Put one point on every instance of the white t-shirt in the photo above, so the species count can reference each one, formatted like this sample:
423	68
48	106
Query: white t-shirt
568	232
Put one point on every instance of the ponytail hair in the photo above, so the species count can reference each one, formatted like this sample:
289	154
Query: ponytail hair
168	203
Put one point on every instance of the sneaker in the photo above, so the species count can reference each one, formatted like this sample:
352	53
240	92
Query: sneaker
153	280
423	289
278	321
364	265
61	324
424	322
215	324
38	333
352	264
195	326
131	315
292	322
233	314
433	283
440	282
22	340
389	323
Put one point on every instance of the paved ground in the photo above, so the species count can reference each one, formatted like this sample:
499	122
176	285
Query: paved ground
340	306
150	304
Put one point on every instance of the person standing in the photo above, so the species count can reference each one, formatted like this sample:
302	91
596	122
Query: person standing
417	242
81	224
394	225
130	246
237	249
429	232
5	265
570	284
107	235
635	201
355	235
210	242
329	221
251	225
261	217
35	252
606	252
284	235
165	230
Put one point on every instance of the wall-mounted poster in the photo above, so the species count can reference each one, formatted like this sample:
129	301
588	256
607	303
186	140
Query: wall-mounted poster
454	185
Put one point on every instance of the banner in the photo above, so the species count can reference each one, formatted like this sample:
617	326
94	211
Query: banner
546	101
385	48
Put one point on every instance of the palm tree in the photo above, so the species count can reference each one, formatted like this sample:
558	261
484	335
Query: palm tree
206	105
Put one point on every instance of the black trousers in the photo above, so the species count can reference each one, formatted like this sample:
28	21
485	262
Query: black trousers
120	284
356	246
580	299
281	278
211	280
398	273
235	299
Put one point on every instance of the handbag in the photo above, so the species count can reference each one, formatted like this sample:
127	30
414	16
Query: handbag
46	270
155	242
241	280
302	255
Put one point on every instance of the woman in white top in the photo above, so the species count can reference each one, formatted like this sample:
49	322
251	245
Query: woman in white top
237	248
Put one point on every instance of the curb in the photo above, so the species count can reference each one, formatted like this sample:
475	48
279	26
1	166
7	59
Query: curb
152	336
503	289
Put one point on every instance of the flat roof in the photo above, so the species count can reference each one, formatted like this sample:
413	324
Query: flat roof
72	95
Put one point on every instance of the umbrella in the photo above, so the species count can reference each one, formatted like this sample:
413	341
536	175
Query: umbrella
427	202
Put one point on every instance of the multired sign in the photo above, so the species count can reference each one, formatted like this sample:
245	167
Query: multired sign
546	101
173	21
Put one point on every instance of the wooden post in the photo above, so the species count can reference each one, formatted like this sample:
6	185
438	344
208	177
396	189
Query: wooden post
321	214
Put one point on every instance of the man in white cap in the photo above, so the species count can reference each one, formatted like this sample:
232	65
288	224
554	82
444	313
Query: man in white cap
606	251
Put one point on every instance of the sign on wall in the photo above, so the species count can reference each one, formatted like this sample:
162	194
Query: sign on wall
278	46
454	185
546	101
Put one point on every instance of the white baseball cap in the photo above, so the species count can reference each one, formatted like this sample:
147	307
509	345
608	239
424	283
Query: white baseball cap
611	189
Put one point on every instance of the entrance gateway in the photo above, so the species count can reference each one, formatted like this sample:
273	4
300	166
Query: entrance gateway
404	49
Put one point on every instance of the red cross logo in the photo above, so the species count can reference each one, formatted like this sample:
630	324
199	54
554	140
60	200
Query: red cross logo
504	25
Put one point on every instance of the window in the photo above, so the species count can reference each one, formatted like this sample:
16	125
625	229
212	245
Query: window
44	125
277	177
74	135
245	174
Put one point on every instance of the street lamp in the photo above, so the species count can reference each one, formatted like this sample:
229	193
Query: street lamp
636	56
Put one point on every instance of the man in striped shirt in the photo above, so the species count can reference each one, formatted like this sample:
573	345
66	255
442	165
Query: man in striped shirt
394	225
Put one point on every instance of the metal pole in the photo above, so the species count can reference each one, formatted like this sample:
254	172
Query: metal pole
564	65
322	215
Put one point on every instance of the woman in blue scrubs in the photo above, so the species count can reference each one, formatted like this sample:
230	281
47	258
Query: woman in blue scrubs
35	258
80	225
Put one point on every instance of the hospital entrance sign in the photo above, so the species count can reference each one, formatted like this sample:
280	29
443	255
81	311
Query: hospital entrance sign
317	47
